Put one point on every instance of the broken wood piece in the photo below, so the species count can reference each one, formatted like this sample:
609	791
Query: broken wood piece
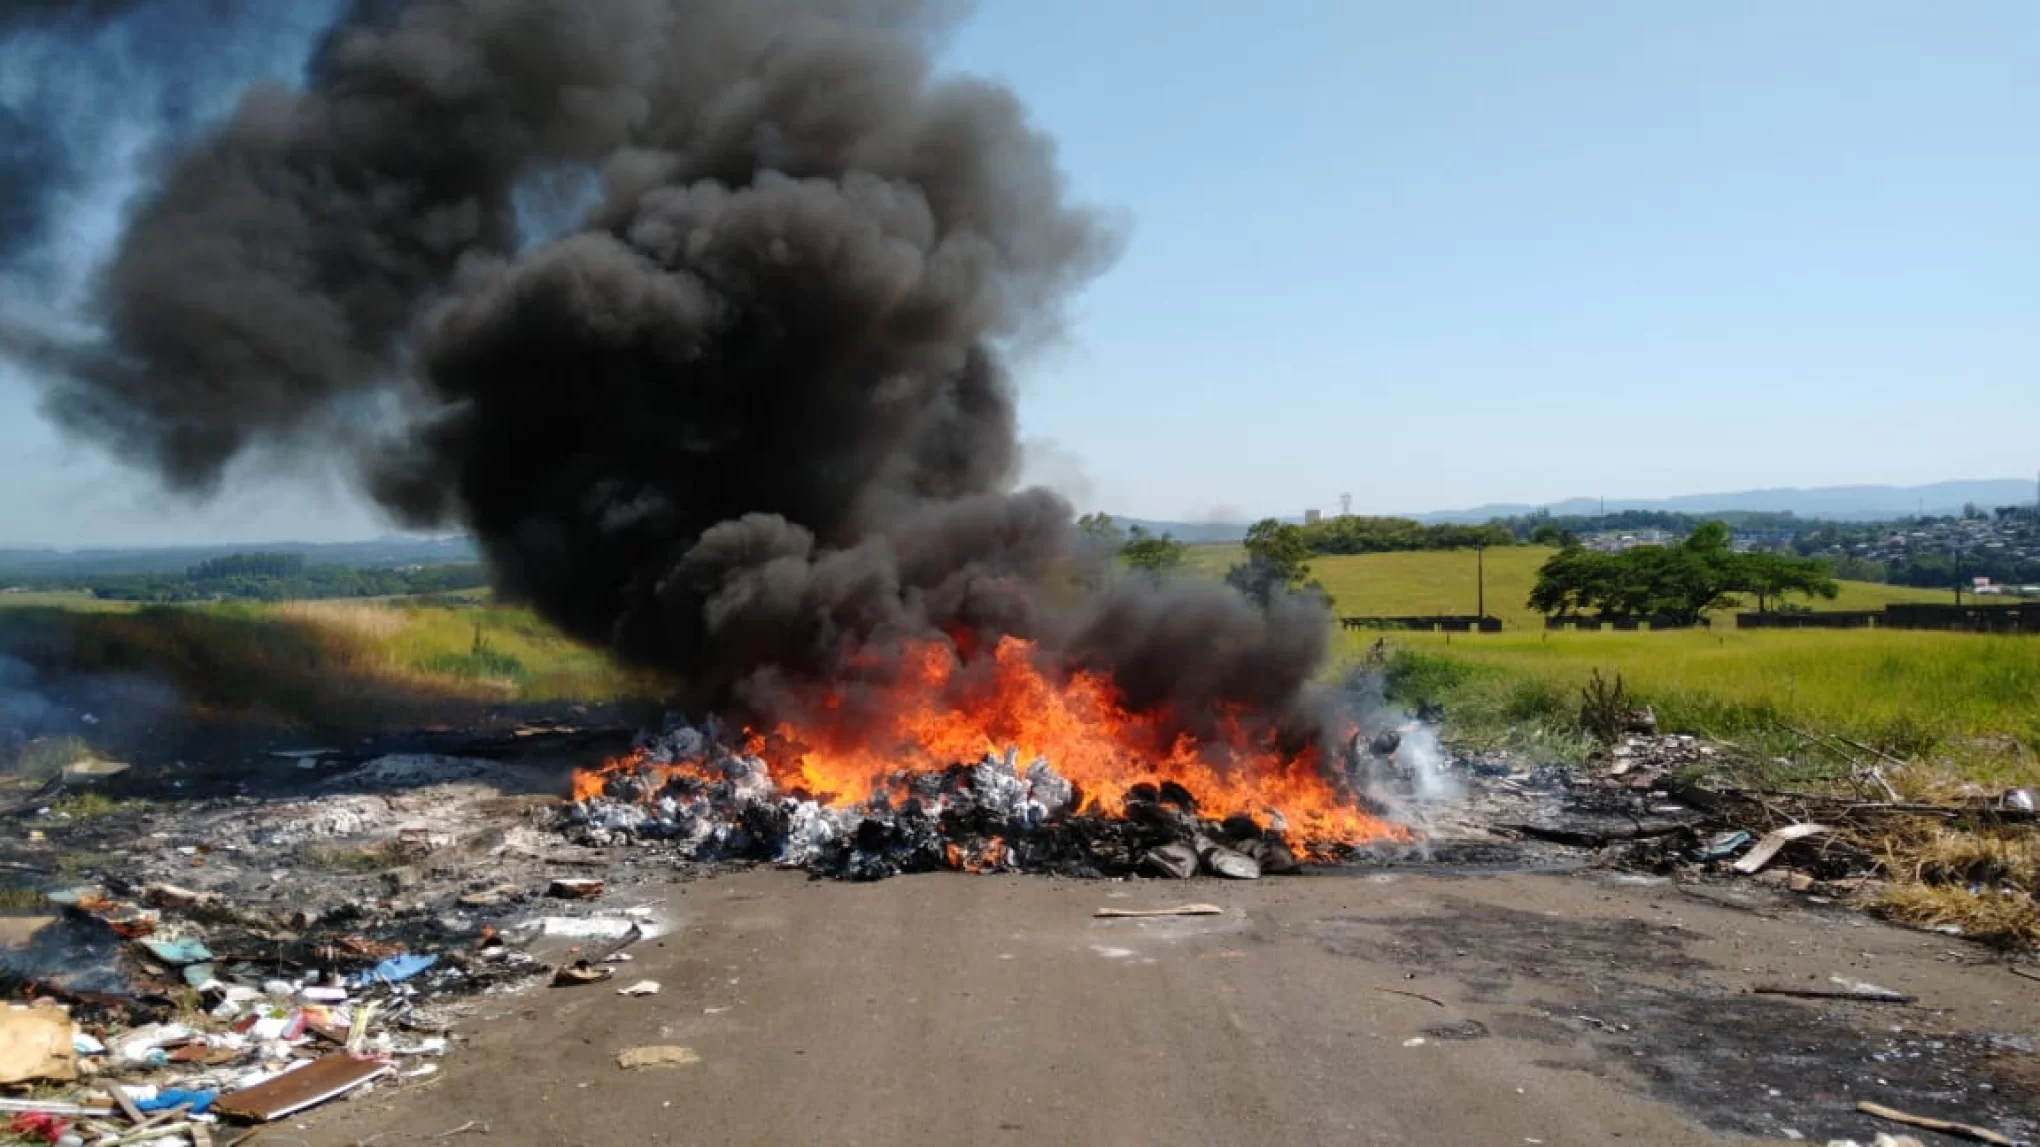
2016	970
12	1105
641	988
1865	993
1178	910
1412	995
149	1134
307	1086
1773	842
1944	1126
667	1055
127	1105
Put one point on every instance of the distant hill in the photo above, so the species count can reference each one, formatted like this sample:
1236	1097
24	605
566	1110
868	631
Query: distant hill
1834	503
1837	503
381	553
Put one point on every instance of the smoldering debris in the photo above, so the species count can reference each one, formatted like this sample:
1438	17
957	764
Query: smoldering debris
688	795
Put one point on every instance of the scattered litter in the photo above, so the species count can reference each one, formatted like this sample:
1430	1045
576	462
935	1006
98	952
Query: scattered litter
580	972
397	969
1768	847
1944	1126
1722	846
172	1098
1458	1030
575	888
1178	910
1414	1041
587	927
187	950
641	988
665	1055
1413	995
1844	990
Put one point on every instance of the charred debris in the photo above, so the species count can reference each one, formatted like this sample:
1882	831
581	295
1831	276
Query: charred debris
688	794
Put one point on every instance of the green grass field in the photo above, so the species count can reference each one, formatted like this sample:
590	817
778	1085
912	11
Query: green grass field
1911	691
1971	698
76	600
1442	581
337	664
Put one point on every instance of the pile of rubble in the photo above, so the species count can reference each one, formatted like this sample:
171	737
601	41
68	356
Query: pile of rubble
245	960
1657	804
705	803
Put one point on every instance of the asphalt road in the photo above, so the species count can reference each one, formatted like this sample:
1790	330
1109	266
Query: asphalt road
946	1010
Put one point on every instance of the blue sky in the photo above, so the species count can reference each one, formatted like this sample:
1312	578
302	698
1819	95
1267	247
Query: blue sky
1458	252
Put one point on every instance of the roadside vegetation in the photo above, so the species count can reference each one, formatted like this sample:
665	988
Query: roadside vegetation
266	577
341	665
1972	699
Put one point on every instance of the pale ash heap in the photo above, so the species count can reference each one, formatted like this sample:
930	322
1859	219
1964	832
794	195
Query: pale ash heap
688	790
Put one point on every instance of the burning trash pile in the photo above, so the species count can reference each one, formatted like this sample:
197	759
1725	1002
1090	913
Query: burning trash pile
1008	772
707	802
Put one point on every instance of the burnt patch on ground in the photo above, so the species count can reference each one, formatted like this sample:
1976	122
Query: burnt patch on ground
1734	1062
1488	947
1758	1066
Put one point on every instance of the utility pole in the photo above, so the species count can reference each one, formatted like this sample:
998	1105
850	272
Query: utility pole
1480	580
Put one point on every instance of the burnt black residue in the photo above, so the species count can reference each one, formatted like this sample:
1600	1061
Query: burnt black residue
1756	1065
1736	1063
1488	947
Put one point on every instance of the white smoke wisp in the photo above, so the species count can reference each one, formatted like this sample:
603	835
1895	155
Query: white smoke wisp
1422	759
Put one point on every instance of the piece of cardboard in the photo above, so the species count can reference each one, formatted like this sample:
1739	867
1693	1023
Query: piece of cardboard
36	1044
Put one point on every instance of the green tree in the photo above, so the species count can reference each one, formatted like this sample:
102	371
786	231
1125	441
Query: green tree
1553	534
1102	531
1153	554
1278	563
1679	584
1771	576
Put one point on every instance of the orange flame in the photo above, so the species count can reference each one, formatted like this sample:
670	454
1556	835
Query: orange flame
933	710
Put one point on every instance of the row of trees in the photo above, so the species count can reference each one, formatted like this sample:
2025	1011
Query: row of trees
1357	534
283	577
1677	584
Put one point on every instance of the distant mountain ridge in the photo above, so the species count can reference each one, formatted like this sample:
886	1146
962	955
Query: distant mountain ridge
1838	503
1834	503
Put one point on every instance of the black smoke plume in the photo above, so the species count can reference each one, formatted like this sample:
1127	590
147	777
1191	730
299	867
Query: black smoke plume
750	421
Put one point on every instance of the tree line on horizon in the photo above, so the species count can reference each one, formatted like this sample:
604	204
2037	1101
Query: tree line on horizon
275	577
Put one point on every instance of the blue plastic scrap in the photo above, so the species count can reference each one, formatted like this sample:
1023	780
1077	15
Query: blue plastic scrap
189	950
171	1097
1722	847
395	970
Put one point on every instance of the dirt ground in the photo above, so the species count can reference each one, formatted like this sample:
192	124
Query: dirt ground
950	1009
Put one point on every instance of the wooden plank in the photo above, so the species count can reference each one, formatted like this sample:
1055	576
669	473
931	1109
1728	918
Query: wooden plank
1944	1126
1178	910
1756	858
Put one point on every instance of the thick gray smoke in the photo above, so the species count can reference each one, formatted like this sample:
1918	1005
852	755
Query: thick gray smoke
90	89
749	420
